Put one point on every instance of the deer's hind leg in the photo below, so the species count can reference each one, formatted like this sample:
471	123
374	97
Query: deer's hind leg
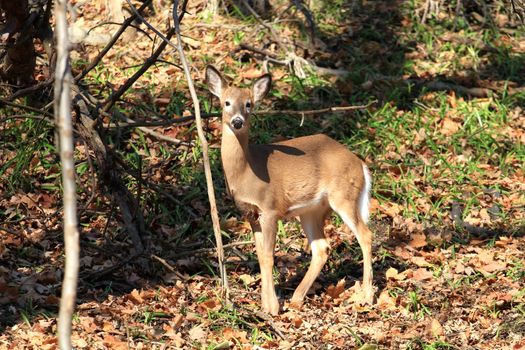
349	211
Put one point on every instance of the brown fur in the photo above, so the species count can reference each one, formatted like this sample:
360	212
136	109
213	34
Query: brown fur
306	177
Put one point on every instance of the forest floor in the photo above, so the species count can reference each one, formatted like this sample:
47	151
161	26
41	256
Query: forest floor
443	134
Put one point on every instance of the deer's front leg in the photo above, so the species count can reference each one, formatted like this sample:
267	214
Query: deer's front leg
264	233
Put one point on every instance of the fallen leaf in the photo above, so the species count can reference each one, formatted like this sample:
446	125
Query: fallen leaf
385	300
419	261
418	240
422	274
435	329
135	297
391	273
493	267
449	127
335	290
247	279
197	333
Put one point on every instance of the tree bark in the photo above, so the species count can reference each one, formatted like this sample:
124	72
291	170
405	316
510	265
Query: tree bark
62	105
18	59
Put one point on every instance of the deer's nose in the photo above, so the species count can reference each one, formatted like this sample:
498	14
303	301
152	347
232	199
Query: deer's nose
237	122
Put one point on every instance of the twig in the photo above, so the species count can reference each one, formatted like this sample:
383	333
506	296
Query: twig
166	39
120	24
294	61
98	274
63	79
433	85
299	4
336	109
265	25
30	89
93	181
211	250
112	42
28	108
156	134
168	122
270	322
318	111
148	63
8	230
25	116
204	145
169	267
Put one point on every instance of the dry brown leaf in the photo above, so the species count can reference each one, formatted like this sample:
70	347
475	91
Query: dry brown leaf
422	274
335	290
392	273
386	301
135	297
449	127
420	261
114	343
198	333
247	279
492	267
435	329
418	240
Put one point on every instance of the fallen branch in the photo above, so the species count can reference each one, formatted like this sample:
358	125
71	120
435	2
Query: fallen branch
31	89
169	267
206	160
432	85
27	108
182	254
156	134
336	109
99	274
295	62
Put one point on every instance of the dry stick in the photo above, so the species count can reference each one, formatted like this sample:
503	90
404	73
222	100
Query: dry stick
206	159
169	267
112	42
28	108
336	109
63	79
30	89
159	136
151	27
148	63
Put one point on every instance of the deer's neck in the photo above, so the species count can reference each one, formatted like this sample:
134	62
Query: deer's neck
234	154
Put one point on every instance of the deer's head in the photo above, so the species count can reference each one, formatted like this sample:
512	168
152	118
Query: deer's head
237	103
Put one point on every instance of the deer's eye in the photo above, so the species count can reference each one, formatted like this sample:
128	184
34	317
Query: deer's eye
227	103
248	105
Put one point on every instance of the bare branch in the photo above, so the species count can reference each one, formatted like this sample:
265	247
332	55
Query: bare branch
204	144
63	80
113	40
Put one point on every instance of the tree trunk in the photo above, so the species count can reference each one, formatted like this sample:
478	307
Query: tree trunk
18	59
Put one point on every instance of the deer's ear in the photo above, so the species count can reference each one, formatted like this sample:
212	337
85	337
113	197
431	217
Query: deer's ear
261	87
215	81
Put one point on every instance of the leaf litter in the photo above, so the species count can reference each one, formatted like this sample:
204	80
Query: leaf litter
436	281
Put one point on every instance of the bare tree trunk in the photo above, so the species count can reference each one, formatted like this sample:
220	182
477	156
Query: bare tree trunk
213	6
19	58
63	80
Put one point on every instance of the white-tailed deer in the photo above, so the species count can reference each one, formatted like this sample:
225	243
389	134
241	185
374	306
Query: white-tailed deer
307	177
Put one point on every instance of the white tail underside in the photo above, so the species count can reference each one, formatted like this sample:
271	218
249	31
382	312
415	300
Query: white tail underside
364	197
